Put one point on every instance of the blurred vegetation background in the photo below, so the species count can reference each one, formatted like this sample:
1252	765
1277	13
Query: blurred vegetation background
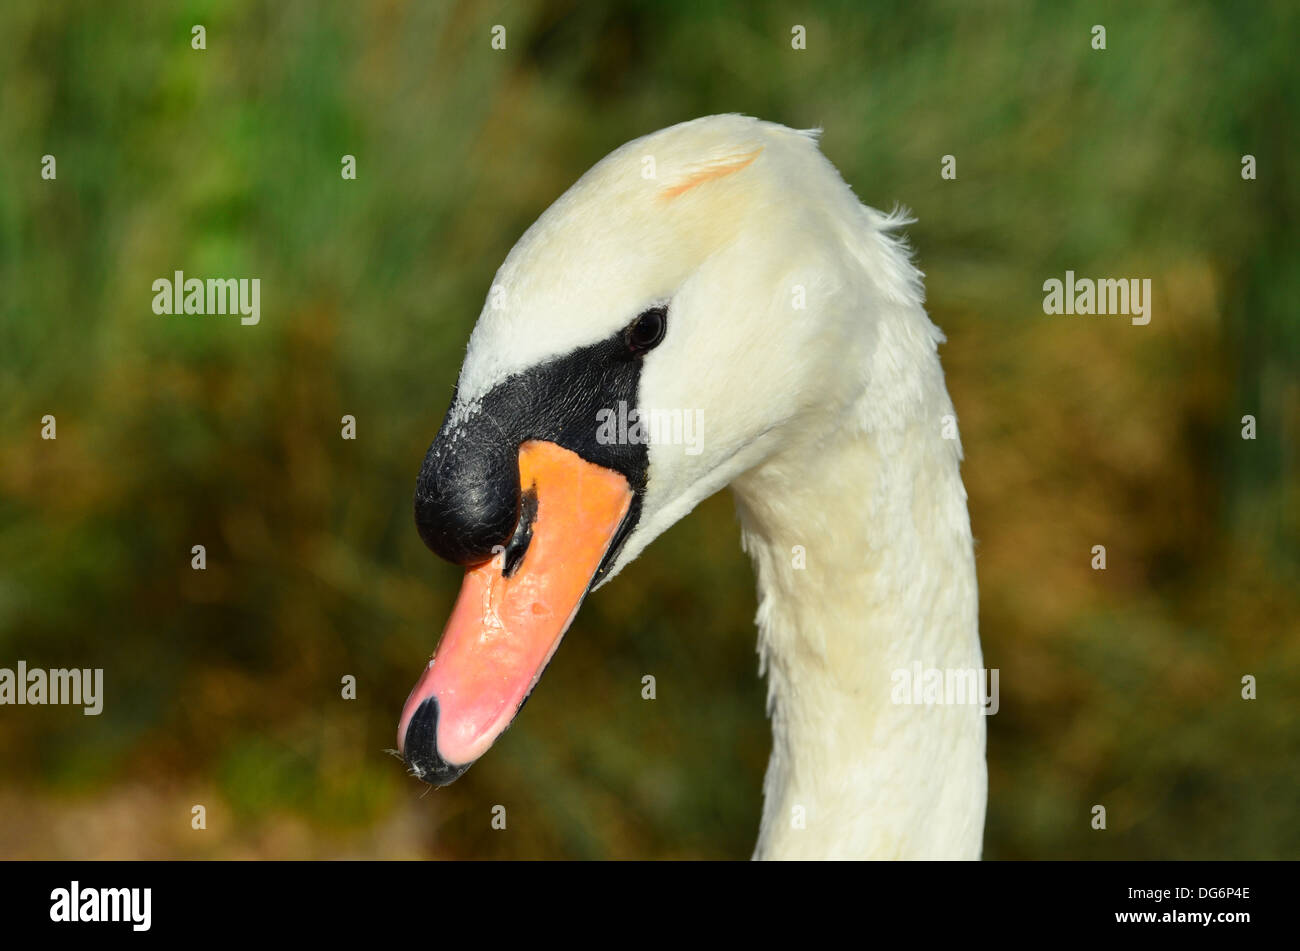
1119	687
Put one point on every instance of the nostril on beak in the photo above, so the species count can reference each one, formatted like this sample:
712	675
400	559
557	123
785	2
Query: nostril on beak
523	534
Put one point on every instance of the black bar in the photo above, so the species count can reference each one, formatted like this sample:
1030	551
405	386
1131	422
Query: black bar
423	901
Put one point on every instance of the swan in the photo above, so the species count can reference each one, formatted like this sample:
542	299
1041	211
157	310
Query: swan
721	269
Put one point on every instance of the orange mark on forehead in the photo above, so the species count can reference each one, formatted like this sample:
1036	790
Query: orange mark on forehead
718	169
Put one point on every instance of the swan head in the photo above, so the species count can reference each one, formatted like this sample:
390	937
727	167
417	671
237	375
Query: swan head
701	300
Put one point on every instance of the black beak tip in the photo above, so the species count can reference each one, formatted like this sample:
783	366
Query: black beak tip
420	748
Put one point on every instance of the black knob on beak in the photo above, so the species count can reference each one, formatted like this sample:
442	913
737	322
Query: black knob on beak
467	493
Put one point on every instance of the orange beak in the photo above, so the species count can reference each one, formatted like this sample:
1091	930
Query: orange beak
508	619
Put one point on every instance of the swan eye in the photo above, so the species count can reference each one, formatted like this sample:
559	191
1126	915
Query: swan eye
648	330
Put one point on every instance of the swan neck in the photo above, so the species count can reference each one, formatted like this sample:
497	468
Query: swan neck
863	552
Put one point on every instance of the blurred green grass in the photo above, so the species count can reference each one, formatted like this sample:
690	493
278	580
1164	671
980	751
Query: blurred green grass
223	686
